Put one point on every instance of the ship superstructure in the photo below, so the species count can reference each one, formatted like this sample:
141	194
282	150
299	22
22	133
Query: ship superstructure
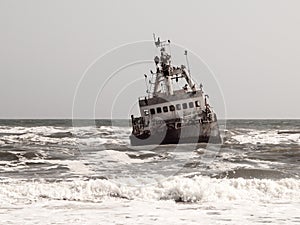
169	115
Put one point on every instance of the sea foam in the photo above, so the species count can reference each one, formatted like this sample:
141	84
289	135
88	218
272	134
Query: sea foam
196	189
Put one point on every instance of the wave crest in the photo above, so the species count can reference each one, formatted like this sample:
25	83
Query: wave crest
196	189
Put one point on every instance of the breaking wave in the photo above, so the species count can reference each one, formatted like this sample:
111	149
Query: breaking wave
48	135
197	189
253	136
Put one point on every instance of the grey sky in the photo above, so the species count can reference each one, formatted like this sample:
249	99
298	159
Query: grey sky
251	46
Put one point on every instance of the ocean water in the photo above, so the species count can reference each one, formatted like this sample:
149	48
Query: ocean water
86	172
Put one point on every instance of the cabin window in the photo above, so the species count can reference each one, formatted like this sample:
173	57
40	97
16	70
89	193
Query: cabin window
178	106
197	103
184	105
152	111
172	108
146	112
191	104
158	110
165	108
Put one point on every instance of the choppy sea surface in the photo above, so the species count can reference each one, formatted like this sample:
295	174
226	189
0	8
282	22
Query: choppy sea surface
86	172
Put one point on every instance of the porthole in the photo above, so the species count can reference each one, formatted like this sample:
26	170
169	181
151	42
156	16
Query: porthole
178	106
152	111
165	109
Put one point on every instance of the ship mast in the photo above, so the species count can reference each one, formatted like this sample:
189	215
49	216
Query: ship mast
163	67
165	72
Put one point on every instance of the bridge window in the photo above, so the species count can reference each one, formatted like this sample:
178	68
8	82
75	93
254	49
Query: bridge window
158	110
178	106
152	111
146	112
165	108
172	108
184	105
191	104
197	103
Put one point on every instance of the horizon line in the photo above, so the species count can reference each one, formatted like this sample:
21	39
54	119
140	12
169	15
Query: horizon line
130	119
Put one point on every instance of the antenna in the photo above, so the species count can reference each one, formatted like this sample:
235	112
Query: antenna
147	91
169	43
187	61
154	37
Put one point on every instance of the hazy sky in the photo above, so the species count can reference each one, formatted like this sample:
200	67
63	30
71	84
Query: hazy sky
252	47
